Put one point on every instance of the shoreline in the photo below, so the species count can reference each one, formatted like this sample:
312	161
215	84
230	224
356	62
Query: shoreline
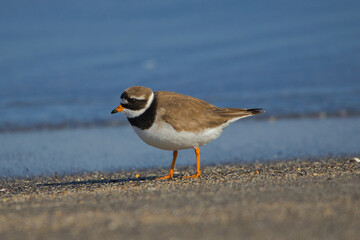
151	173
101	149
8	128
297	199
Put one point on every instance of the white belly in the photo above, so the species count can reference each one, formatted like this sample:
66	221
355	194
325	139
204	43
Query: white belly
167	138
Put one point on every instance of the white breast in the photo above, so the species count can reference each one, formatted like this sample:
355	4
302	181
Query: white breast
164	136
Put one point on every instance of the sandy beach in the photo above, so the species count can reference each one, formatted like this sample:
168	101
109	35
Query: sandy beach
307	199
69	169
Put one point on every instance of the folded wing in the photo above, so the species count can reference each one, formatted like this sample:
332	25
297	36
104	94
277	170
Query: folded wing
185	113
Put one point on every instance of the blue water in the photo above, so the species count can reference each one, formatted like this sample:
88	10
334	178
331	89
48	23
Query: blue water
118	148
65	63
69	61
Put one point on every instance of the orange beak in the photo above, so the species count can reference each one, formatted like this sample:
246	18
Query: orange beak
118	109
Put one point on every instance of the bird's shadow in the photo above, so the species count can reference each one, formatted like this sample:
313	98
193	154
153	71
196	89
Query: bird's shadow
98	181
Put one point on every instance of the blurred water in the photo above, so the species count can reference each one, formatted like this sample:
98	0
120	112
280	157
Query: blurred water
114	148
64	61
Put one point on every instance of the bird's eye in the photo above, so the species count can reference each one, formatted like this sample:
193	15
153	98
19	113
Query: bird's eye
132	100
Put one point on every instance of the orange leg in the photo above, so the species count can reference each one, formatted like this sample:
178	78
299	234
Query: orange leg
171	173
198	171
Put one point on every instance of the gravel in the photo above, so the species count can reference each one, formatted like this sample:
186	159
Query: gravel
296	199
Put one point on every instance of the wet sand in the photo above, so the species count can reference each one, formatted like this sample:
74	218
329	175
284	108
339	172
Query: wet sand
307	199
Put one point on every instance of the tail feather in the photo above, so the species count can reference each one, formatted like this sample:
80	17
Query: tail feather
237	112
255	111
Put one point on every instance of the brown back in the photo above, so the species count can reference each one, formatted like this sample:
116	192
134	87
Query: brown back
187	113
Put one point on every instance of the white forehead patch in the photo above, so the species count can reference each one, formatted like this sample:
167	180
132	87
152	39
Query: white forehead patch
124	101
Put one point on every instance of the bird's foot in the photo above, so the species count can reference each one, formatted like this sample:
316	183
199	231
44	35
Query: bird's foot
165	177
194	176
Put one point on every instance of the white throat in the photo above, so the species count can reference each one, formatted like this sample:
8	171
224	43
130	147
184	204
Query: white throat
135	113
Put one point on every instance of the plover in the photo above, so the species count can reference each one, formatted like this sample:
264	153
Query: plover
172	121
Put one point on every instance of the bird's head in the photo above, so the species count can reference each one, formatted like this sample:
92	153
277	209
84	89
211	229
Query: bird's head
134	101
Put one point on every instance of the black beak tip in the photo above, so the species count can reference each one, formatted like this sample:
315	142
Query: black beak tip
114	111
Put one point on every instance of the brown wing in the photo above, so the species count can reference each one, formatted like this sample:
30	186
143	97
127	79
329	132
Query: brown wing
187	113
230	113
